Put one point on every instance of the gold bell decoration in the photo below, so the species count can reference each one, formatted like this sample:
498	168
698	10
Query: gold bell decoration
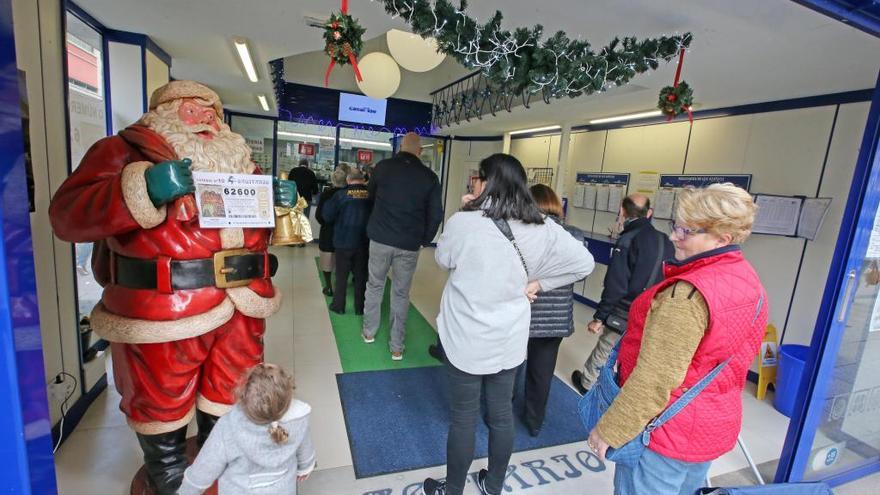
283	234
292	228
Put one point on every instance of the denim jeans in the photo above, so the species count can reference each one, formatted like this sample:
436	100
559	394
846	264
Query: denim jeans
660	475
465	391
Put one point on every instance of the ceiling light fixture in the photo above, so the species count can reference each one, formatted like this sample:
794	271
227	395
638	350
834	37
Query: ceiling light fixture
263	102
346	140
536	129
629	116
246	61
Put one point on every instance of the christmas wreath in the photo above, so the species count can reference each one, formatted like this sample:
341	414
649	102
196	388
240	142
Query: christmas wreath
343	35
675	100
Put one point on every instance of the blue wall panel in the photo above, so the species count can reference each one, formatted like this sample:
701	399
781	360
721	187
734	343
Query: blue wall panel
26	462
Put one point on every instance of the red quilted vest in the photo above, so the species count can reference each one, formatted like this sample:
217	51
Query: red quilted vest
708	427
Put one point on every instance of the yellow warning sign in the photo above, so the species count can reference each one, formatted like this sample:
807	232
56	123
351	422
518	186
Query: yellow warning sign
769	360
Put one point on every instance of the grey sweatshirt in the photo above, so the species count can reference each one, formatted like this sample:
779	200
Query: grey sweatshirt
246	459
484	313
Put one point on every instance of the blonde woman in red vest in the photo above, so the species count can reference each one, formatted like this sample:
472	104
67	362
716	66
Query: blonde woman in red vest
710	307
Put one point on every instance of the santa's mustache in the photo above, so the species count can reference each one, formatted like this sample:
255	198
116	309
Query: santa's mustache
195	129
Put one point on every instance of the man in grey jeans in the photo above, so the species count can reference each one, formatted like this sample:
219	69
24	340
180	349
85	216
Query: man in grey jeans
407	212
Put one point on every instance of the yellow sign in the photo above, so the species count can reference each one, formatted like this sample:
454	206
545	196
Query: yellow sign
769	359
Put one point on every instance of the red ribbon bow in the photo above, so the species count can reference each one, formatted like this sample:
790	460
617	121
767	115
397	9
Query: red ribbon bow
347	49
675	85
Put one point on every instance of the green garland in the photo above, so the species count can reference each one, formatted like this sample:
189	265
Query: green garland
520	62
675	100
343	36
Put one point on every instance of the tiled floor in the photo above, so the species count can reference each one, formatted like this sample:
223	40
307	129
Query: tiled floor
102	454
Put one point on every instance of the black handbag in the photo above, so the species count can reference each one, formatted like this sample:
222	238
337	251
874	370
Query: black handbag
617	320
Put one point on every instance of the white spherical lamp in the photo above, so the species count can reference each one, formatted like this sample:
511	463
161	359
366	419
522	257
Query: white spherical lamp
381	75
413	52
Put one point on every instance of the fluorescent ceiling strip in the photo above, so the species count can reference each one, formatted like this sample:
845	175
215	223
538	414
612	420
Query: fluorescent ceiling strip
347	140
245	55
263	102
630	116
536	129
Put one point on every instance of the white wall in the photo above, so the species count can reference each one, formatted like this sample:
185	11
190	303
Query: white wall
785	153
157	72
126	84
38	36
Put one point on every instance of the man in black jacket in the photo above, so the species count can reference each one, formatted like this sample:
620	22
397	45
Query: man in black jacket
407	211
348	210
635	266
306	183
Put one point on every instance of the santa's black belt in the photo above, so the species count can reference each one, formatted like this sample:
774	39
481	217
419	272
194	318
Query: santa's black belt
230	268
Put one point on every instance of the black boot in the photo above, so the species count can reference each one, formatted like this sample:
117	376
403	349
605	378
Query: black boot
206	423
328	284
164	460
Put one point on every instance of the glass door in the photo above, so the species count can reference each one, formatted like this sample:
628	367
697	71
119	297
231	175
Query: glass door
87	124
836	435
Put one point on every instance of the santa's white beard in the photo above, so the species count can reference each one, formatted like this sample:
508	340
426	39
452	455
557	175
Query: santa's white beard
226	153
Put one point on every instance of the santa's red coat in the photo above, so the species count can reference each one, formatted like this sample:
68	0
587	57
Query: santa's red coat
105	199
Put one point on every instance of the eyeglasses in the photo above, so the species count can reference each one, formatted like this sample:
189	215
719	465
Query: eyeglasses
684	232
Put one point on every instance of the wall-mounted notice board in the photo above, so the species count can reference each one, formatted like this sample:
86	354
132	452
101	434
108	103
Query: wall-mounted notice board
670	185
600	191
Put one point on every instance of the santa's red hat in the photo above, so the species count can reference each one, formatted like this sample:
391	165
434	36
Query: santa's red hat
176	90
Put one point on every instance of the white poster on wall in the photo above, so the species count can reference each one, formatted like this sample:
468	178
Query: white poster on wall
590	196
577	199
615	197
664	201
602	194
777	215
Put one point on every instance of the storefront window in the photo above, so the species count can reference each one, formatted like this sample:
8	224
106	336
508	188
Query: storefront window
364	148
259	134
314	143
88	124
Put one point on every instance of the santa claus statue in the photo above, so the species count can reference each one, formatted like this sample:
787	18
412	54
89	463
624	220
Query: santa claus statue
183	306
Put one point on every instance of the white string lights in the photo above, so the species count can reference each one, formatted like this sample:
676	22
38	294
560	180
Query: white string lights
520	62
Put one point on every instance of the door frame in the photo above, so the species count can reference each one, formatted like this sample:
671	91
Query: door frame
852	243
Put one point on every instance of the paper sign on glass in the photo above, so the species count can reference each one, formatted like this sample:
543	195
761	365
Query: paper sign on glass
234	200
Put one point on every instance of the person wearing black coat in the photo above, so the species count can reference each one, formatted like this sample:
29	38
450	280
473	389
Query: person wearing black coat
306	183
349	210
634	267
552	320
325	237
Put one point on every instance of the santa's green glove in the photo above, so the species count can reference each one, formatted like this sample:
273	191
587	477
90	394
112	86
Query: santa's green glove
285	192
169	180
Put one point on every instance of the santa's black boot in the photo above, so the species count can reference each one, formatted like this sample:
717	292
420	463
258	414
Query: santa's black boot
164	460
206	423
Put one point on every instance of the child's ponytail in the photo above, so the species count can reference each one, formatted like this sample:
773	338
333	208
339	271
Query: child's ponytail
277	432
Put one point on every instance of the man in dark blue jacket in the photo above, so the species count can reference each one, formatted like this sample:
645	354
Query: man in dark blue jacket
635	265
349	211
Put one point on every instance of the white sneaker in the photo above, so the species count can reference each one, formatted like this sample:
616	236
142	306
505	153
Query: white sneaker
397	356
368	340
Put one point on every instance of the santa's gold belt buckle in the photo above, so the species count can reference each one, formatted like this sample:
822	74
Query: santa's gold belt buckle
221	270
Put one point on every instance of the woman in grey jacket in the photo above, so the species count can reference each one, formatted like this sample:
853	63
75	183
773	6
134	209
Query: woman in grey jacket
500	252
552	320
262	446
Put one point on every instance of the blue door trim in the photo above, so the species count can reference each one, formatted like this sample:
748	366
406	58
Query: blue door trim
851	245
26	461
862	15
